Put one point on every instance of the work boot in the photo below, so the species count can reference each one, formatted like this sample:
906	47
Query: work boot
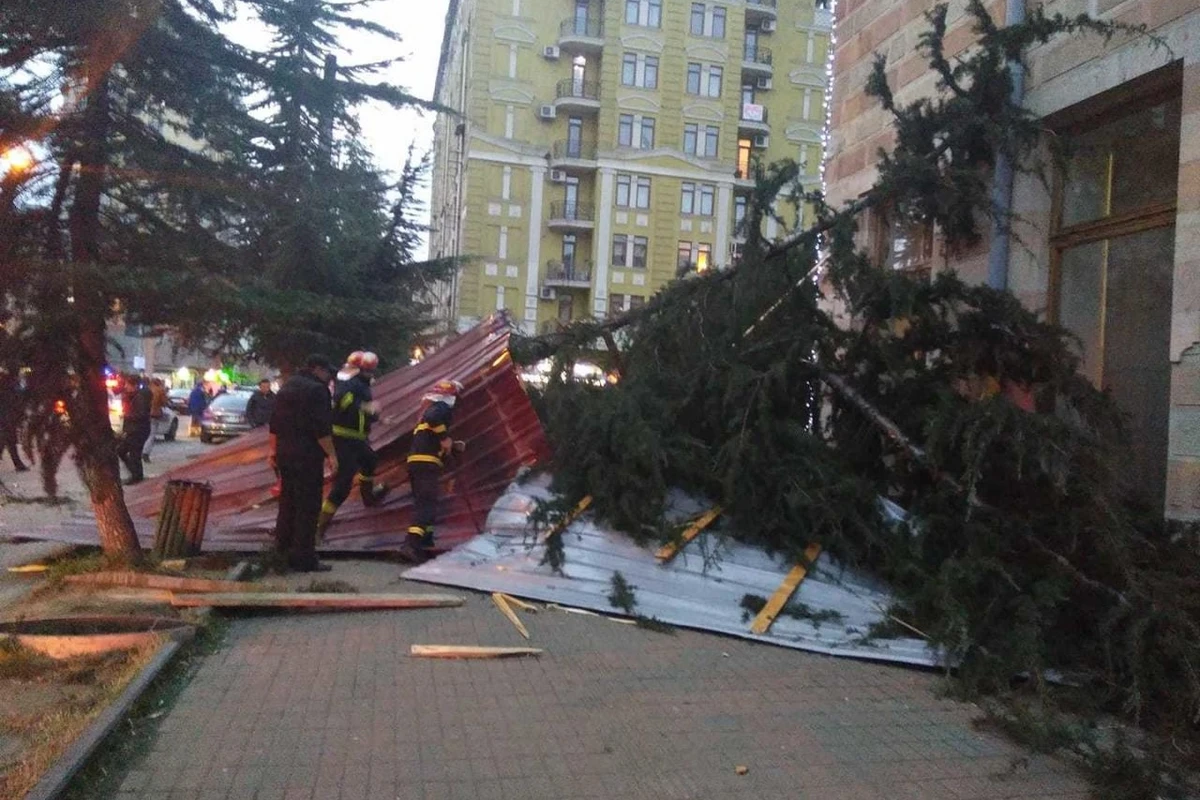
324	520
373	493
412	549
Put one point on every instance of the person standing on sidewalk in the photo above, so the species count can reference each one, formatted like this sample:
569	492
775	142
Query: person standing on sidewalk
11	414
354	410
135	427
197	402
431	444
158	402
260	405
301	441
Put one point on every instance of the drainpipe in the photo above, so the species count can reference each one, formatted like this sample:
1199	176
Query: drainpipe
1002	181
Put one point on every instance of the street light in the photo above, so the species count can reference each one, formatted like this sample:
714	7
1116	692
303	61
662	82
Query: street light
15	160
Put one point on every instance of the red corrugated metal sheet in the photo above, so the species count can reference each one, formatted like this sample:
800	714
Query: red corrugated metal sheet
493	415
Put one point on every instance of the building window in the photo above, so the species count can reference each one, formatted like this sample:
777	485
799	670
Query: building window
636	302
718	22
625	130
568	252
616	304
712	139
647	135
619	250
683	258
623	183
628	69
714	81
643	192
632	10
697	19
743	159
693	79
900	243
740	204
687	201
654	13
650	73
641	246
647	13
703	257
1113	263
707	194
690	132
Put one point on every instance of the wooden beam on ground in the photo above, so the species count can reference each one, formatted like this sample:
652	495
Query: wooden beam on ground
762	623
505	609
670	549
315	600
471	651
566	521
519	603
145	580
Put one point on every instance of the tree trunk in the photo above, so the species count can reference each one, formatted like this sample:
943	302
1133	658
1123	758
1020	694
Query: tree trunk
95	444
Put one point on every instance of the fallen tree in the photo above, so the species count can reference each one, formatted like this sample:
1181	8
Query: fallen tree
1029	550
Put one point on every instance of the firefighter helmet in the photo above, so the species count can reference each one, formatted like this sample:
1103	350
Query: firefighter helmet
368	362
355	359
445	391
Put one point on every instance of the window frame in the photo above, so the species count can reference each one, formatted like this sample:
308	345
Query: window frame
707	198
695	70
687	198
646	142
703	12
629	69
646	71
712	134
620	243
625	124
641	182
695	134
721	10
717	74
644	243
624	181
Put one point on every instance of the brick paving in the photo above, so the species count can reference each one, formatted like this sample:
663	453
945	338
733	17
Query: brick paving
332	707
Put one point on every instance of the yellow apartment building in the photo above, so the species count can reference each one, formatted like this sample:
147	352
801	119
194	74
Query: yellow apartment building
603	148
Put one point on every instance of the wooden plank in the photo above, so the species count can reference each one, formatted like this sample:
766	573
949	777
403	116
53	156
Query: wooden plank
770	611
670	549
314	600
519	603
471	651
566	521
145	580
506	610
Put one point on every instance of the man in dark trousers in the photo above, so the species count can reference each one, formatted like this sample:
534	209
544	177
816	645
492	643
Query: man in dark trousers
260	405
300	443
135	426
353	412
11	414
430	446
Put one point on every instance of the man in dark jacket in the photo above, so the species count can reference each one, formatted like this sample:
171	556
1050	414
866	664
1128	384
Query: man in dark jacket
11	414
353	412
197	402
300	443
135	426
260	405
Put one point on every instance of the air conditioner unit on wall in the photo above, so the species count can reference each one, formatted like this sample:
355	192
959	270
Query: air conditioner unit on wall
547	293
761	140
558	176
767	26
763	83
547	112
550	51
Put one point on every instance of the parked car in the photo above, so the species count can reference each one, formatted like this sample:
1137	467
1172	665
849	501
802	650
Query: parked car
225	416
177	399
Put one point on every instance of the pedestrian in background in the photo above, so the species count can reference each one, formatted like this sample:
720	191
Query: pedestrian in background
11	415
301	441
135	426
197	402
158	415
260	405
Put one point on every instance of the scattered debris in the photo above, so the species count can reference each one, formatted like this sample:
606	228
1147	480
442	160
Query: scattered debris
28	568
668	550
755	603
471	651
762	622
69	637
622	596
315	600
145	580
741	769
519	603
331	587
505	609
567	519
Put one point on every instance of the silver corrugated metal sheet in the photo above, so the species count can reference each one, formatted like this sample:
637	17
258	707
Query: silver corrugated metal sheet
702	587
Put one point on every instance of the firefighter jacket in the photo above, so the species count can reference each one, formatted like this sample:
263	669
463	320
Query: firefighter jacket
433	429
350	419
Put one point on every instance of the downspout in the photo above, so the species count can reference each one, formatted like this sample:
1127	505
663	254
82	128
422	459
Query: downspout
1002	181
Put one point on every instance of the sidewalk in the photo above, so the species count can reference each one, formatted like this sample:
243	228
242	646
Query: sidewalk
329	707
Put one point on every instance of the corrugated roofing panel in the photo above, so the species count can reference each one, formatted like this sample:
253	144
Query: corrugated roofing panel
702	587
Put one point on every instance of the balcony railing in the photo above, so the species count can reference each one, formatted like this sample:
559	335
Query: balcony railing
762	3
575	212
586	28
757	55
584	90
569	273
566	148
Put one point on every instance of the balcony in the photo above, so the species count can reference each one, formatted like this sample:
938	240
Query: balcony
759	10
757	61
566	154
581	35
577	96
568	275
571	216
753	119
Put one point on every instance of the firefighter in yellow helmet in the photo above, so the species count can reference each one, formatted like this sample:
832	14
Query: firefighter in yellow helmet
431	444
354	410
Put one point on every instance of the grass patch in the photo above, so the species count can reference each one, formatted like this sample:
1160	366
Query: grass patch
20	663
654	624
752	604
47	735
331	587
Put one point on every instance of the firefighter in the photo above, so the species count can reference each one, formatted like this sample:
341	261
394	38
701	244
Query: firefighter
431	444
353	412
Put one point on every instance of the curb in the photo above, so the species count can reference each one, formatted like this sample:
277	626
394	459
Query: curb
58	777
